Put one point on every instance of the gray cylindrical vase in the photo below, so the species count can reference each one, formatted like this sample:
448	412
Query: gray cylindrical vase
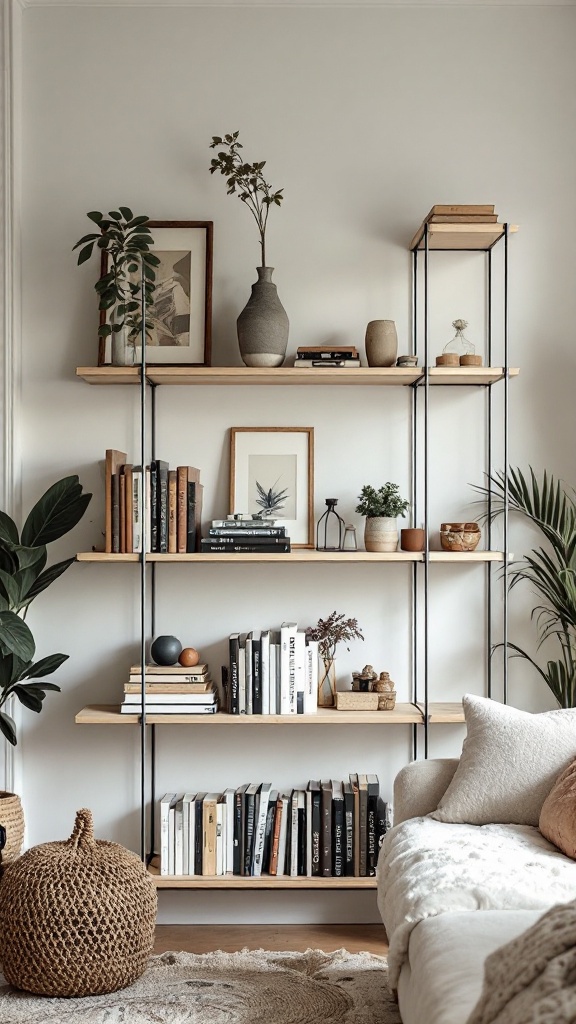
263	324
381	343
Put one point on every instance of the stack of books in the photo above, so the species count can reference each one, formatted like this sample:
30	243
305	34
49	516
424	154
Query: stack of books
327	356
256	535
170	690
327	829
170	499
272	672
470	213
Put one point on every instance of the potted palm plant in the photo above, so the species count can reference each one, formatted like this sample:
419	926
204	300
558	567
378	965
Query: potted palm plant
381	508
549	570
263	323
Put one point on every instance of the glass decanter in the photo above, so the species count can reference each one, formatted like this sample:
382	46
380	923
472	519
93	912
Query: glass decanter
459	343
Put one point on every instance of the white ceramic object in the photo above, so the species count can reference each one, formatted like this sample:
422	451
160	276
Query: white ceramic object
381	343
381	534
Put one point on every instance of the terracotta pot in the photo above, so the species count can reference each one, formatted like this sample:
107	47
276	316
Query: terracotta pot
12	819
381	534
412	539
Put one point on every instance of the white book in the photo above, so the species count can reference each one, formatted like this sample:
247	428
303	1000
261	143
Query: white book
300	670
294	835
148	510
137	509
187	801
242	673
308	819
172	834
229	798
152	708
179	837
286	810
311	691
206	697
265	670
164	832
272	675
220	837
288	632
190	802
248	672
260	827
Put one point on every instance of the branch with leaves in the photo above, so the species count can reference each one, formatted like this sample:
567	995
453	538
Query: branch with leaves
246	181
333	631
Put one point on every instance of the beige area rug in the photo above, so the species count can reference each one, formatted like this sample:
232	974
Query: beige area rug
228	988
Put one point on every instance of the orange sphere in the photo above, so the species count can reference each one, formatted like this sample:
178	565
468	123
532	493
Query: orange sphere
189	657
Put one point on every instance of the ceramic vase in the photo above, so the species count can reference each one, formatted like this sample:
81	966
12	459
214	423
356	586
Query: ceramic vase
381	534
381	343
263	324
12	820
326	682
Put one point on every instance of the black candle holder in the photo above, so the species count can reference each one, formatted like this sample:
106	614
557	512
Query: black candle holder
330	528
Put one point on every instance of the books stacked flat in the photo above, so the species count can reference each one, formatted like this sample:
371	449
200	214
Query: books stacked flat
327	356
327	829
256	535
272	672
170	690
170	499
470	213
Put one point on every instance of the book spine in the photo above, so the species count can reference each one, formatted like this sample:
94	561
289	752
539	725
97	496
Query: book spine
233	704
220	838
349	830
265	671
116	513
363	831
162	498
260	830
288	669
129	512
281	548
154	504
311	680
338	839
181	508
198	833
268	833
249	833
226	534
209	828
294	835
164	833
122	504
237	829
272	671
276	838
372	843
172	512
256	676
316	830
326	833
179	838
300	671
191	517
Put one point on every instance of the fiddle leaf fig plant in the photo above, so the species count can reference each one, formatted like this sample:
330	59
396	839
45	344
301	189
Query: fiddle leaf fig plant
126	241
23	576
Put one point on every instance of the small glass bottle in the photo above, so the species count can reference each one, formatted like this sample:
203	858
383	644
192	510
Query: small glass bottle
459	343
330	528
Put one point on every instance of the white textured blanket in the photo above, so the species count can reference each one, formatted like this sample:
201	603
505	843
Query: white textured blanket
429	867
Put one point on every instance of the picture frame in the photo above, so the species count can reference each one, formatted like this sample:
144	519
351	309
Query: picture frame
180	325
275	462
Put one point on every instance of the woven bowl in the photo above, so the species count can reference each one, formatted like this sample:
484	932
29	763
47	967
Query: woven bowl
460	536
12	819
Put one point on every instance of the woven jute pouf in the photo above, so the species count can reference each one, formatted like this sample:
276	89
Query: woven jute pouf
12	819
76	917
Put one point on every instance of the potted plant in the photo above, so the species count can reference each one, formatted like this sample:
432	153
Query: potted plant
23	576
263	324
381	508
330	633
127	268
550	570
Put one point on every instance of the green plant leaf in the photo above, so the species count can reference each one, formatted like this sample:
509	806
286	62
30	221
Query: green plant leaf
8	529
56	512
127	213
8	728
85	238
29	699
95	216
85	253
10	670
15	636
44	667
10	588
42	685
29	556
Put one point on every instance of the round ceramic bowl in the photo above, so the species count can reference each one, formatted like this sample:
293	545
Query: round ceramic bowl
460	536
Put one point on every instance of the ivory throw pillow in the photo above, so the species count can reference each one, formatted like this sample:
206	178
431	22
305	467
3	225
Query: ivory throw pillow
510	761
558	815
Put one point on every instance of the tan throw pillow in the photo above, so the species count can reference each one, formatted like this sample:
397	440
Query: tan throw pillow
558	815
510	761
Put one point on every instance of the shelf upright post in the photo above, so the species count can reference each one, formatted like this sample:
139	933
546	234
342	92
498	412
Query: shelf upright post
426	492
414	498
143	562
489	572
506	457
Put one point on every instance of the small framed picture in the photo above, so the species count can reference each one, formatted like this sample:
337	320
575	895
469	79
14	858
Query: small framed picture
272	476
179	323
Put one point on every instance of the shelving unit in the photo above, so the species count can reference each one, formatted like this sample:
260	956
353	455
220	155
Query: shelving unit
421	713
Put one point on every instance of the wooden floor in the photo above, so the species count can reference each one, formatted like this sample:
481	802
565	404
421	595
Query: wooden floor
297	938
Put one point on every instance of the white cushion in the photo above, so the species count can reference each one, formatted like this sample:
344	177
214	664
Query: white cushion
510	761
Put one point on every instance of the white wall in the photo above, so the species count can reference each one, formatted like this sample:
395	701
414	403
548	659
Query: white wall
366	118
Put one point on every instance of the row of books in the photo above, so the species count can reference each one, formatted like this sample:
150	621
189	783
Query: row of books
272	672
329	829
171	500
457	213
170	690
257	535
327	356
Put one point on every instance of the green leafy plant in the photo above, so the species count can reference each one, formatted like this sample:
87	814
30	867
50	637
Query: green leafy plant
333	631
550	570
23	576
126	240
385	501
270	501
246	181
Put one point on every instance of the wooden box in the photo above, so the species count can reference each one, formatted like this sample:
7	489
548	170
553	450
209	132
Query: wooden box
347	700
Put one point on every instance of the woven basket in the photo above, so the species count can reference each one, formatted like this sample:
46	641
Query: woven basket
76	917
12	818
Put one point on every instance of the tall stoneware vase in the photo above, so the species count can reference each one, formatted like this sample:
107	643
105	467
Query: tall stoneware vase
263	324
12	820
381	343
326	682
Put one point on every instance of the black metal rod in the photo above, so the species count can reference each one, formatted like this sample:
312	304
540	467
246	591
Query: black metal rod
152	789
414	500
426	491
506	459
489	572
143	563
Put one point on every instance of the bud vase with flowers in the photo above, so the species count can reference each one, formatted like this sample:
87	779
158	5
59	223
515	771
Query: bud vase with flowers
329	633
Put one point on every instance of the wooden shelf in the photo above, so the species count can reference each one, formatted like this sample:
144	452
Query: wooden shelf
460	236
444	713
263	882
392	376
297	557
109	714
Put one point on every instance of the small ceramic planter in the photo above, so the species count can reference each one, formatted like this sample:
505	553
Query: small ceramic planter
412	539
381	534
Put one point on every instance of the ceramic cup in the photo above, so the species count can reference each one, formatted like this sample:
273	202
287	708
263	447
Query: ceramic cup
412	539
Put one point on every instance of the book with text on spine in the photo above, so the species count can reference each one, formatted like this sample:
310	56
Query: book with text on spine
169	709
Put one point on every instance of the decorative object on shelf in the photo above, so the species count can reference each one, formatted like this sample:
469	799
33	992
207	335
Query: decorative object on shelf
124	242
460	536
165	650
384	688
362	681
76	917
23	578
12	822
354	700
327	357
330	528
350	542
413	539
381	343
272	476
188	657
381	508
459	346
263	323
329	633
407	361
550	506
448	359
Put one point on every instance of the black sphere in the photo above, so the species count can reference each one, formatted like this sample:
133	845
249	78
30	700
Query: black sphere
166	650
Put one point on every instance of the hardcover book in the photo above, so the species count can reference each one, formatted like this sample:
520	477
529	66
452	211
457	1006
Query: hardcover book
198	832
338	835
165	804
240	829
260	827
209	822
326	829
363	828
349	828
234	703
114	461
315	827
373	847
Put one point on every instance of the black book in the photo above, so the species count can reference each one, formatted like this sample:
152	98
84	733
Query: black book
238	842
256	637
372	853
314	788
213	544
247	532
363	792
191	545
338	840
249	826
153	507
198	832
326	829
162	504
301	832
249	541
269	830
116	512
381	821
348	829
233	678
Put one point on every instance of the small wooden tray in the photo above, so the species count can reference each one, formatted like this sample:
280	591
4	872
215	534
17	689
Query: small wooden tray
347	700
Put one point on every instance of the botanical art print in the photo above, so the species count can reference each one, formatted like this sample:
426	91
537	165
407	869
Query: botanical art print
271	477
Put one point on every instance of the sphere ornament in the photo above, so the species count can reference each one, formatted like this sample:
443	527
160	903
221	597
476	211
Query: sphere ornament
166	650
